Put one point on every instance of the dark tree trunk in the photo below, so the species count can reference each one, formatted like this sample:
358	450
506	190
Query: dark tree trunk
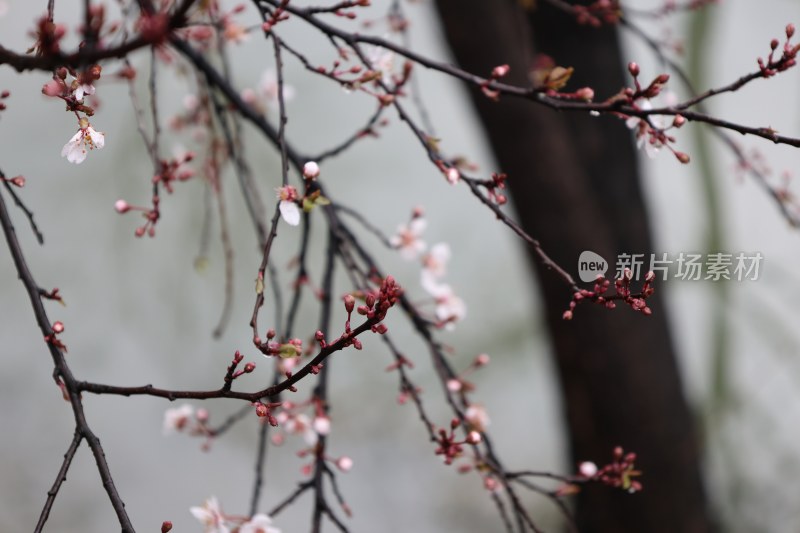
574	181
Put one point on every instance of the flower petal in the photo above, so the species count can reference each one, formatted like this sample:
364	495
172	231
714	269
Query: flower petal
290	212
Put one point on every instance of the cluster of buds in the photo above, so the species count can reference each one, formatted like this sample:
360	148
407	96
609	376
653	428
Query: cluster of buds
278	15
232	373
449	446
74	91
498	181
377	303
351	15
598	294
652	90
498	72
618	474
151	215
3	96
788	58
175	169
264	410
598	13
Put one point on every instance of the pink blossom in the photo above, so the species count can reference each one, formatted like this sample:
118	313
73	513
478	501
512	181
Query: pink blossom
268	87
344	463
301	425
477	417
587	469
177	418
83	89
210	515
407	239
311	170
322	425
434	263
449	307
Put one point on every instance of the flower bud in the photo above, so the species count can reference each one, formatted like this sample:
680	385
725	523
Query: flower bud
587	469
344	463
349	303
500	71
311	170
633	68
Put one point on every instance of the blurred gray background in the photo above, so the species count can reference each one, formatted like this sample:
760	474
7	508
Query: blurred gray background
138	312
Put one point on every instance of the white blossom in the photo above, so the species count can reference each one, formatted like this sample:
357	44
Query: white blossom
87	137
269	88
407	239
210	515
175	419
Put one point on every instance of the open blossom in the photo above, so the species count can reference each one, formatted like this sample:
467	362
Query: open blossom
269	88
83	89
301	425
260	523
210	515
477	417
87	137
643	130
434	263
407	239
177	418
382	60
449	307
645	134
288	206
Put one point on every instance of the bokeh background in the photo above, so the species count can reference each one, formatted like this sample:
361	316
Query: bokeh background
138	312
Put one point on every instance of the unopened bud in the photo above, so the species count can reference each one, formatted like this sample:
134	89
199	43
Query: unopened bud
633	68
585	93
789	30
19	181
58	327
682	157
166	526
249	367
344	463
349	302
482	360
121	206
587	469
662	79
473	437
311	170
453	175
261	410
678	121
500	71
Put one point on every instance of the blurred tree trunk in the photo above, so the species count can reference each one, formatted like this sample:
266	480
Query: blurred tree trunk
574	181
